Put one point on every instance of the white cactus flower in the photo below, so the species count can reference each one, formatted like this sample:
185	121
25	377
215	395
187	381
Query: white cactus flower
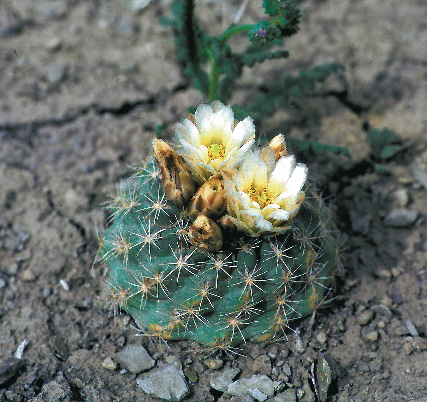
211	141
264	195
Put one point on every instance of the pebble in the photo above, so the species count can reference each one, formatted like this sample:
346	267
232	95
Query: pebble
134	358
140	4
214	364
262	365
190	374
382	310
400	218
55	72
53	44
9	368
2	283
364	317
286	396
371	336
400	198
124	27
221	379
109	364
27	275
251	386
411	328
286	369
321	337
421	176
167	382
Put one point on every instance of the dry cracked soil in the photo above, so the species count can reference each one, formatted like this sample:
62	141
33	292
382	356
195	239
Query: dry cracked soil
83	86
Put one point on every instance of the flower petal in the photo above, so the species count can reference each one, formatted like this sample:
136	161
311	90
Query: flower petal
244	131
281	174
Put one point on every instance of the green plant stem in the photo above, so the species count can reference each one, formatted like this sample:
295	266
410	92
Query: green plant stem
189	20
214	77
234	30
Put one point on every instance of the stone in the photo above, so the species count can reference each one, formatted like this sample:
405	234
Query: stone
246	386
221	379
167	382
400	218
134	358
108	364
56	72
364	317
214	364
262	365
286	396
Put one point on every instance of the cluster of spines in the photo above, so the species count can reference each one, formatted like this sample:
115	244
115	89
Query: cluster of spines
249	291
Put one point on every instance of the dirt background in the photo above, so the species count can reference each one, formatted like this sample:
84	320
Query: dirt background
83	85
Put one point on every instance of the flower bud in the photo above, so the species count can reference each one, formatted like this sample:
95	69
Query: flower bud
278	146
209	199
205	234
178	183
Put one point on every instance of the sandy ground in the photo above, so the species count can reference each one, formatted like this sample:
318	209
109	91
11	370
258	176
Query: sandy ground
83	85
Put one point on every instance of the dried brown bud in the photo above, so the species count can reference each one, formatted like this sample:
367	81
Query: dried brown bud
278	146
206	234
177	181
209	199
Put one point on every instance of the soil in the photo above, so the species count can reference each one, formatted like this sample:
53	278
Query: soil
84	84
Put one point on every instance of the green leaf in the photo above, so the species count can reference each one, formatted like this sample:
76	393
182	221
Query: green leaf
384	143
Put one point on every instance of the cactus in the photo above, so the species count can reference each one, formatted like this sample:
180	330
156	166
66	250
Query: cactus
182	264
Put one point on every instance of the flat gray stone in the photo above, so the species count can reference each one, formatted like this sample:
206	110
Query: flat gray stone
134	358
257	386
400	218
167	382
221	379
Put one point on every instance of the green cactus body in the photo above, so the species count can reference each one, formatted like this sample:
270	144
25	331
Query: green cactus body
251	289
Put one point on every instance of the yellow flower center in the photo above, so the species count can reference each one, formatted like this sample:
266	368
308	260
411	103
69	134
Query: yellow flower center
216	151
260	196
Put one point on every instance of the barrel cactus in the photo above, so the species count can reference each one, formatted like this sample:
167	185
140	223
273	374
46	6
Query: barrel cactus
215	240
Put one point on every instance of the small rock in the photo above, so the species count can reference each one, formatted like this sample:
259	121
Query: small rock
400	198
214	364
140	4
109	364
286	396
321	337
421	176
258	395
2	283
221	379
262	365
246	386
323	378
27	275
124	27
364	317
57	390
9	368
53	44
382	310
372	336
411	328
134	358
286	369
400	218
167	382
56	72
190	374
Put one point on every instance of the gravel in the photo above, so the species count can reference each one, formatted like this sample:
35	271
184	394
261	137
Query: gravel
134	358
